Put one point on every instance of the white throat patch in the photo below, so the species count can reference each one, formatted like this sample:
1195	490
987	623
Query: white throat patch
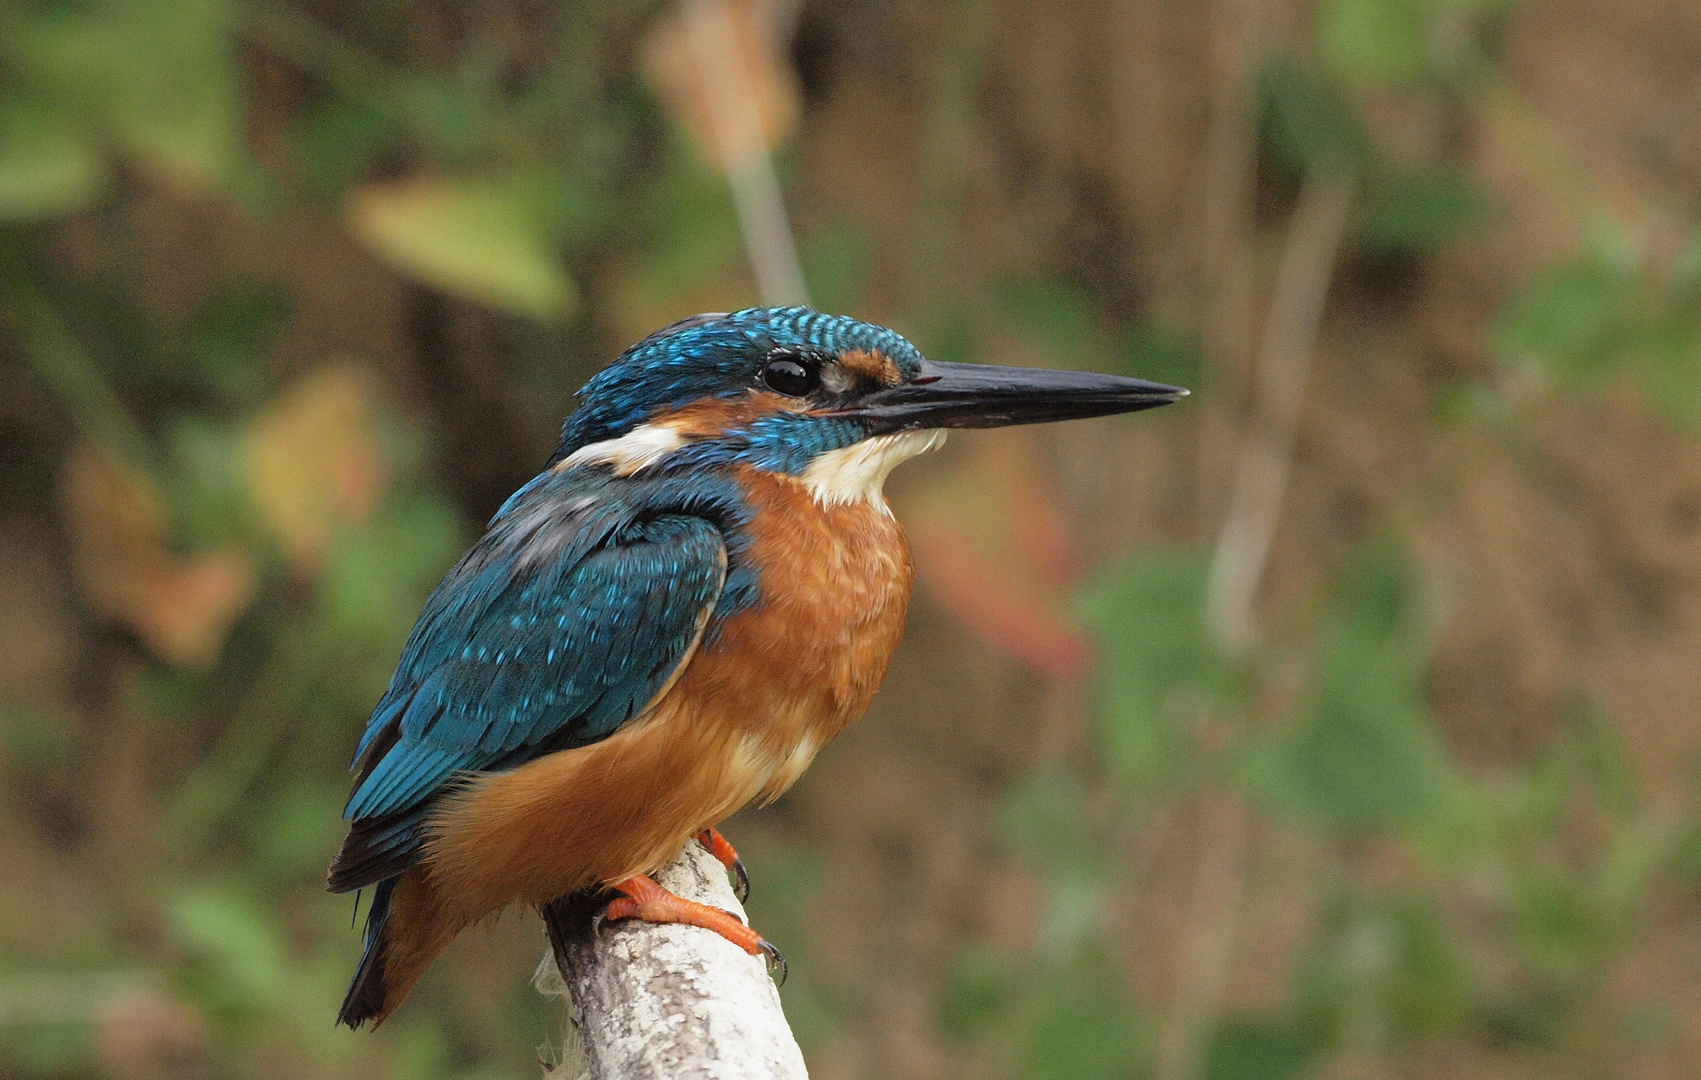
639	448
857	473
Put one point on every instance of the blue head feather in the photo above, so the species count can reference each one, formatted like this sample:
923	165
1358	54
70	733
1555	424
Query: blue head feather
720	356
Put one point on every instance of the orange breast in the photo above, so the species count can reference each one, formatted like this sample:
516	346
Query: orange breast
835	587
742	722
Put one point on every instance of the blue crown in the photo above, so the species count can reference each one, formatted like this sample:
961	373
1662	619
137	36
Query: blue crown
716	355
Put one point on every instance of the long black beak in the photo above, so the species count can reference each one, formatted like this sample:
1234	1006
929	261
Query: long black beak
943	395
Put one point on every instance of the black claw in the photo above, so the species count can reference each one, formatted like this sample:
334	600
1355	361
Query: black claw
742	889
776	960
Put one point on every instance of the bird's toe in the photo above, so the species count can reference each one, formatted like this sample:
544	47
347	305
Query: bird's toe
776	960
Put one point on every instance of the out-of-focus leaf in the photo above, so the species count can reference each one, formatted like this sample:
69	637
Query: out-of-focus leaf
1572	319
1604	315
1085	1029
1308	125
1049	817
1244	1049
836	264
1055	315
444	113
1421	212
1594	751
1685	856
424	1054
481	239
210	505
691	251
229	334
49	1049
1366	755
1670	363
1362	759
978	994
337	141
1150	352
1389	965
314	461
160	75
377	576
1157	671
1432	993
1382	41
1046	816
189	131
32	740
295	828
182	608
1558	923
744	36
374	579
48	166
238	940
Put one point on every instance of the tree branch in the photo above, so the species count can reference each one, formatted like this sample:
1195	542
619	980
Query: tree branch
658	1002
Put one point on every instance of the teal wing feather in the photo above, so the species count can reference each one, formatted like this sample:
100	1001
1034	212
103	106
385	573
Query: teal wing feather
562	624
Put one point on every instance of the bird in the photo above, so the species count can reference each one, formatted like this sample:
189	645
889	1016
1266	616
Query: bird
701	589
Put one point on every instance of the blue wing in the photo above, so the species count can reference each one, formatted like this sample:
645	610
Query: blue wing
561	624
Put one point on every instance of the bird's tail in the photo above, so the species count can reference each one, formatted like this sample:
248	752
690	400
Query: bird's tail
405	930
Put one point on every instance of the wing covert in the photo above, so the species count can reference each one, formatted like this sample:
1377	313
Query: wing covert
543	643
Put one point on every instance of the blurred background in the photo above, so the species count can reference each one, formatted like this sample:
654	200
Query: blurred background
1339	722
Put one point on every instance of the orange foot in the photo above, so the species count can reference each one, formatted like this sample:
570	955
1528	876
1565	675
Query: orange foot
642	898
712	839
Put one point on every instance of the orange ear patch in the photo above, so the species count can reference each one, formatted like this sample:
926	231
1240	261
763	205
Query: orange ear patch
710	417
877	367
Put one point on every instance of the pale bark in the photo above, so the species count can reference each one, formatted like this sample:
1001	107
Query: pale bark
662	1002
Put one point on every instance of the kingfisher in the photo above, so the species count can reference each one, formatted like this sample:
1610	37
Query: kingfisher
699	591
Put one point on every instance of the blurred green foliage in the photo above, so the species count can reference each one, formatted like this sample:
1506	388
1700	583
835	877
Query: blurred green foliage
1609	317
1362	754
1500	926
318	496
1160	673
1358	759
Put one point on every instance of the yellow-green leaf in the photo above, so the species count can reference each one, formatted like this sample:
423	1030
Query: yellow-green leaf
477	239
159	77
47	166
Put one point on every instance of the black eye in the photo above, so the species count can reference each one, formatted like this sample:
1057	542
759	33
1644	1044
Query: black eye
791	376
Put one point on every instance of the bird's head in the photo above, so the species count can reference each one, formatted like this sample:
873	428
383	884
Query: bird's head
832	401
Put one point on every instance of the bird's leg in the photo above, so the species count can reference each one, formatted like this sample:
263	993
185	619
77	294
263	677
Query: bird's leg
642	898
717	846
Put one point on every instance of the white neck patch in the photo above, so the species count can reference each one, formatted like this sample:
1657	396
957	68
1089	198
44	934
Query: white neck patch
857	473
639	448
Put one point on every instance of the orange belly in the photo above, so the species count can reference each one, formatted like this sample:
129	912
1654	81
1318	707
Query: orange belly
742	722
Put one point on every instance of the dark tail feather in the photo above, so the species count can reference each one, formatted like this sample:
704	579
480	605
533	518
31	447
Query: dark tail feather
365	999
